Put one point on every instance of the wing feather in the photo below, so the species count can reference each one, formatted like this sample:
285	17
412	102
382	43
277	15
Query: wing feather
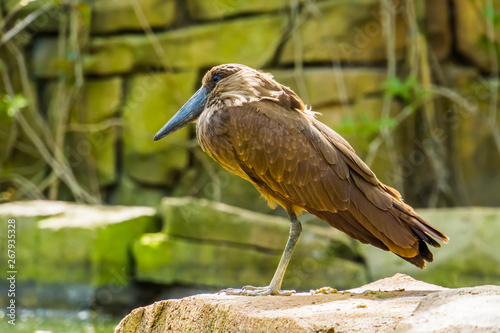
302	163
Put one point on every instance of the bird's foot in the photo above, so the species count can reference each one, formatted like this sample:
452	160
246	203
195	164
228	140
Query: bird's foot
257	291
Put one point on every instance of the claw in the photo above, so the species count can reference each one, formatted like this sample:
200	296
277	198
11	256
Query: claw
256	291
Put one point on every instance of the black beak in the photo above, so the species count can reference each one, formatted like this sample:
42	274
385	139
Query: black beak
189	112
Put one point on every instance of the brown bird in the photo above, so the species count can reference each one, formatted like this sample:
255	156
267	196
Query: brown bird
262	131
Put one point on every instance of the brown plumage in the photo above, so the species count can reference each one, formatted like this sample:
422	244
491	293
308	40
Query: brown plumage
262	131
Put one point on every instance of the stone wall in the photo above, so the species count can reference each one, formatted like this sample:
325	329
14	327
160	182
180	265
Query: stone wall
115	258
141	62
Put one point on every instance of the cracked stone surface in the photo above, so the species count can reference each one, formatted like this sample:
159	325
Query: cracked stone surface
398	303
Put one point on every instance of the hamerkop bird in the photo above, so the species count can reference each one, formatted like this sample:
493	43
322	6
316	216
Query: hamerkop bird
262	131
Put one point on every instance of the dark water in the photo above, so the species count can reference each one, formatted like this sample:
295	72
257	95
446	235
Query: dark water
58	321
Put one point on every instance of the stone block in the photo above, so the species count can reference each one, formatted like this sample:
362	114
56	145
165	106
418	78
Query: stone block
102	98
47	21
164	259
472	256
92	156
438	27
203	10
192	47
113	58
207	220
235	191
168	260
112	55
152	99
346	31
397	304
471	32
130	193
44	55
332	86
117	15
91	146
218	184
63	243
216	245
472	136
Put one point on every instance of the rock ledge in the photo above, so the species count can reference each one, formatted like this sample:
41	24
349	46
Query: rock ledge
398	303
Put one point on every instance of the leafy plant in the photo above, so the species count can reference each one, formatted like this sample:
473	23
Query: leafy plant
364	126
10	105
394	87
492	15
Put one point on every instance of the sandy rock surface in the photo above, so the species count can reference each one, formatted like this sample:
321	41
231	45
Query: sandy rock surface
399	302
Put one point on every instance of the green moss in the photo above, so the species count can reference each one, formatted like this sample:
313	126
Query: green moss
102	98
68	243
114	58
200	9
192	47
170	260
111	16
152	100
130	193
322	85
199	233
156	168
165	259
344	32
203	219
93	154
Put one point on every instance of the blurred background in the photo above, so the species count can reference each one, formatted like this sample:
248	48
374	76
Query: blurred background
85	85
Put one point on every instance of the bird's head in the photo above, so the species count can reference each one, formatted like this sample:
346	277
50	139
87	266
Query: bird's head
224	85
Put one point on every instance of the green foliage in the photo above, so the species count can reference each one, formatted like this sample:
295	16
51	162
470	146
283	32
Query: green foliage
10	105
492	15
85	11
403	89
363	125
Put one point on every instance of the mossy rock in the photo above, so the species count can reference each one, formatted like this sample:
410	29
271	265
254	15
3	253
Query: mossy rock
203	10
471	30
170	260
48	21
167	260
102	98
199	46
151	101
322	85
92	157
471	133
112	16
213	244
67	243
207	220
130	193
345	31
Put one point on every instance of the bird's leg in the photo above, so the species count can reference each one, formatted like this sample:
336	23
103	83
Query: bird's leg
274	287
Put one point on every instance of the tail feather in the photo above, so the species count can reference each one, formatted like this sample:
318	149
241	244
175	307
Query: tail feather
415	222
421	231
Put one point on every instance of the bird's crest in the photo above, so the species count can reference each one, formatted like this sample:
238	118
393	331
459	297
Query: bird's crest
234	85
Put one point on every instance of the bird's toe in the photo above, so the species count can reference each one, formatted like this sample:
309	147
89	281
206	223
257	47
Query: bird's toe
256	291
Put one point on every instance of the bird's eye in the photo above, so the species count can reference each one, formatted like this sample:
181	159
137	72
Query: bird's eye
216	78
